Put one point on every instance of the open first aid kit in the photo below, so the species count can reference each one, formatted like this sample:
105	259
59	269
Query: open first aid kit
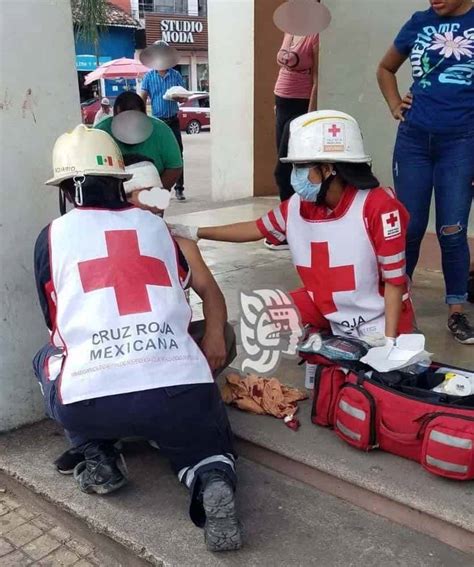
424	412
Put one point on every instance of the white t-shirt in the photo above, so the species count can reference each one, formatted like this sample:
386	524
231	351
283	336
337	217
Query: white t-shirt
101	115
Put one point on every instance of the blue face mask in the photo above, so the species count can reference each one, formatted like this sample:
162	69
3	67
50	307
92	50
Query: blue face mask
302	185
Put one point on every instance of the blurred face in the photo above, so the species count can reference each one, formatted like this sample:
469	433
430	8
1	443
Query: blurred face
105	108
133	198
450	7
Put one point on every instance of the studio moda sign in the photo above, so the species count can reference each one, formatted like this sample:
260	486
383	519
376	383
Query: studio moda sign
180	31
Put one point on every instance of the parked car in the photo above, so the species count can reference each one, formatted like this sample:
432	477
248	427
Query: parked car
195	114
89	109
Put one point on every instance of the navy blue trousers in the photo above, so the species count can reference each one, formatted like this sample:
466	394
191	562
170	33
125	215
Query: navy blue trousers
189	423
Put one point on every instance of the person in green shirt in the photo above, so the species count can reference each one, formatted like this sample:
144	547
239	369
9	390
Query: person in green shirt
161	146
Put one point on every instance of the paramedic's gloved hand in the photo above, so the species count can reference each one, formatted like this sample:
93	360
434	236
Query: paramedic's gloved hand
184	231
379	340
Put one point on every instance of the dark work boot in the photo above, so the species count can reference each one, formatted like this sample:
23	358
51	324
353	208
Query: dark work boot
103	470
222	528
67	462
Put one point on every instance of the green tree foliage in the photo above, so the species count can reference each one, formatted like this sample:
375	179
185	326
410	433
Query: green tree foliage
89	15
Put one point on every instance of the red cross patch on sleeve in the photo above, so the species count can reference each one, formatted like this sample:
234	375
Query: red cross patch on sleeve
392	226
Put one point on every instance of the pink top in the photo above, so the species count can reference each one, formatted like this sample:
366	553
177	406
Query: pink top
295	79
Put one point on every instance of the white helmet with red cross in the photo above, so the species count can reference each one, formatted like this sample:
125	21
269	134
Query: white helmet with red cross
85	151
325	136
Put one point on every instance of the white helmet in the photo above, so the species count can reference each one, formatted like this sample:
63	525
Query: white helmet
85	151
326	136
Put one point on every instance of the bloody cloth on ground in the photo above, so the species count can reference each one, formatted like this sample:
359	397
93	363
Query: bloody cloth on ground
261	395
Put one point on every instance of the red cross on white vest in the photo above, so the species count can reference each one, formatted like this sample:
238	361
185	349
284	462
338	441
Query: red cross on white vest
334	130
323	281
126	271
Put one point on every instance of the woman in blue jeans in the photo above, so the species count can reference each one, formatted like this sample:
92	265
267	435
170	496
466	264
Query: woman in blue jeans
435	141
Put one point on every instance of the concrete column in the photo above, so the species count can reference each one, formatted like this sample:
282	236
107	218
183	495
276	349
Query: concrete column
39	100
231	64
243	43
193	72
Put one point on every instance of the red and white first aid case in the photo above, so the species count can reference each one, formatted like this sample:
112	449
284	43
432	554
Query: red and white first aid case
409	421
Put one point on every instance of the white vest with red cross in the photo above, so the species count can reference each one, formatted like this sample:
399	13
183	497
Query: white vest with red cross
122	315
336	261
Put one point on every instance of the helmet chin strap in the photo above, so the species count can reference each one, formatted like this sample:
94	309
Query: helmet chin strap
62	202
78	196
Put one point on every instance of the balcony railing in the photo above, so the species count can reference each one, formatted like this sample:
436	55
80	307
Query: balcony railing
169	7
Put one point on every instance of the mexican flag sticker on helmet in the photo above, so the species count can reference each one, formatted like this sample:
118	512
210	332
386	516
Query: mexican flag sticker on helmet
105	160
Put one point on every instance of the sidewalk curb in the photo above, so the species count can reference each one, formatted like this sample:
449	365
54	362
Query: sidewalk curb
381	505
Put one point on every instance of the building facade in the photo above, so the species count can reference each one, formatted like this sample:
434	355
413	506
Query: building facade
183	24
117	39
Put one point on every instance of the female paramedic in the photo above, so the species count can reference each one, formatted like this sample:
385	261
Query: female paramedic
346	233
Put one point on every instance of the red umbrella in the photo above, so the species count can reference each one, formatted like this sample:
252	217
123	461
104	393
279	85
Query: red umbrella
117	69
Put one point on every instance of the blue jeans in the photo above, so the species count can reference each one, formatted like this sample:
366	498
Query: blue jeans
443	162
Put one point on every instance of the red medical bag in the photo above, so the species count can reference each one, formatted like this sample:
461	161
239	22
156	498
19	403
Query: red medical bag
408	421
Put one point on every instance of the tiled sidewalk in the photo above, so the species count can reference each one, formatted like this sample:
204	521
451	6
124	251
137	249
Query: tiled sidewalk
29	537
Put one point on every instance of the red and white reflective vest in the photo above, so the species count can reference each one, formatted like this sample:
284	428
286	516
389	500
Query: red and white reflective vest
121	312
337	263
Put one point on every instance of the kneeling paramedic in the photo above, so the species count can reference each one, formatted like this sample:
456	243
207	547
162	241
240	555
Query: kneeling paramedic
121	361
346	233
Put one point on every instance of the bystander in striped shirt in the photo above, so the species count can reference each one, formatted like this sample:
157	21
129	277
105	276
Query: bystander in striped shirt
156	86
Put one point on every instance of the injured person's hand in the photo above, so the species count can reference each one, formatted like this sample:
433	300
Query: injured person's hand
184	231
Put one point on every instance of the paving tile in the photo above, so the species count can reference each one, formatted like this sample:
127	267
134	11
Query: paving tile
60	534
39	548
5	547
23	534
100	560
27	513
9	501
83	563
10	521
62	556
80	546
43	522
15	559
